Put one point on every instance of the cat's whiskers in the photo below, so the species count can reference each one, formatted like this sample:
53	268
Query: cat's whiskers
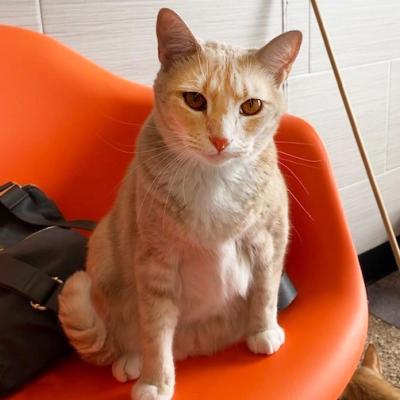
301	205
298	163
298	158
298	143
129	146
295	176
159	145
160	152
139	124
297	233
112	145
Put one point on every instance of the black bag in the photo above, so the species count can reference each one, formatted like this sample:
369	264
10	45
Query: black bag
37	254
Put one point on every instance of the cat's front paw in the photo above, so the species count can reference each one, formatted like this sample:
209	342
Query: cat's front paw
127	367
266	342
144	391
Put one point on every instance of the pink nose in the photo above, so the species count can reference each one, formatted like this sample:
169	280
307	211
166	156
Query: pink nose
220	143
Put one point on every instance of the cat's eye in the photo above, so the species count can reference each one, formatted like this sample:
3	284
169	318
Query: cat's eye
251	107
195	100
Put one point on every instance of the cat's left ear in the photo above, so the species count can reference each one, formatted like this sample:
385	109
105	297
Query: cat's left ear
279	54
371	359
174	38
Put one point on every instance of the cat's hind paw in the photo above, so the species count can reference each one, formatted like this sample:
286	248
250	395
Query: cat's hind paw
127	367
266	342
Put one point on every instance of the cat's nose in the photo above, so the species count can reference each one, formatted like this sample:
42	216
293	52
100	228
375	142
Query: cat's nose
220	143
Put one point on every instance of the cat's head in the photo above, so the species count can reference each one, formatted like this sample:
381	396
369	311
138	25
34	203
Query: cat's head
215	102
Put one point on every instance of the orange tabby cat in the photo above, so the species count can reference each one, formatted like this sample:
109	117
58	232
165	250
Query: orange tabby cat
368	382
189	258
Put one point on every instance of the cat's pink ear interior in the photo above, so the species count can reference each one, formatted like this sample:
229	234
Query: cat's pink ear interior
279	54
174	38
371	359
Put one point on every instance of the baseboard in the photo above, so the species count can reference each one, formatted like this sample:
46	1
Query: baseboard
377	262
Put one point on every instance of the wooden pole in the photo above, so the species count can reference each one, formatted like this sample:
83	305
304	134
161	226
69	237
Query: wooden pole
360	144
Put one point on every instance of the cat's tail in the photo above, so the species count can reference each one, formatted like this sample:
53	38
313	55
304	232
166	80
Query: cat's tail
83	327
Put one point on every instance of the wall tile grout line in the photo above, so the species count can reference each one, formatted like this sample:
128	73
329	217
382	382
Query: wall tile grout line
40	15
380	175
350	67
388	92
309	37
284	6
390	170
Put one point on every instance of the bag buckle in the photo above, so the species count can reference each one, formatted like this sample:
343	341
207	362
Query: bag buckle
7	187
39	307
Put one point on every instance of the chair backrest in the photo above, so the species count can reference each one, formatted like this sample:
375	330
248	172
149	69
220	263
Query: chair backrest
69	127
65	124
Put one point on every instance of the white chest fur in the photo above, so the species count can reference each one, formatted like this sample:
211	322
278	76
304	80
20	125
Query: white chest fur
216	202
210	281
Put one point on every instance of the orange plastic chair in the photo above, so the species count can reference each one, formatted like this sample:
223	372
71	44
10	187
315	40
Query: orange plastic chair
69	127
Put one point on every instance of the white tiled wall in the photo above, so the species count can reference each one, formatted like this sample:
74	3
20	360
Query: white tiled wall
296	17
362	31
365	36
119	34
361	209
393	144
315	97
25	13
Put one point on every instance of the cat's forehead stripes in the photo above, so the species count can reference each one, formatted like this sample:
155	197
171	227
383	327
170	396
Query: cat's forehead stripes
226	71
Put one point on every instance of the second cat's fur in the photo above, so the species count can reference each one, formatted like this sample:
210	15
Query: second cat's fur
368	382
189	258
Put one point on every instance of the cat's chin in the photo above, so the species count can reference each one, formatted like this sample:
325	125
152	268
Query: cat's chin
219	158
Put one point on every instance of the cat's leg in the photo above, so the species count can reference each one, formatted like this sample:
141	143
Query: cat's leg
127	367
265	335
158	315
124	325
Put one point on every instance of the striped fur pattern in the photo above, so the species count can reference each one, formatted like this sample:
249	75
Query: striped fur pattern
189	258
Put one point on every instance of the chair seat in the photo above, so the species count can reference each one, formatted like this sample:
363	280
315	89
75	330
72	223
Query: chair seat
69	126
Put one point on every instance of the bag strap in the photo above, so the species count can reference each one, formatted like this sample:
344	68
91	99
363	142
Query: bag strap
20	204
43	290
30	282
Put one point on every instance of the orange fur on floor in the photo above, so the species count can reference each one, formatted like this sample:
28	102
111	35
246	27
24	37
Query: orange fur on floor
368	383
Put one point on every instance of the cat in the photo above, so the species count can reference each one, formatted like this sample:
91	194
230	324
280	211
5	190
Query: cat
189	258
368	382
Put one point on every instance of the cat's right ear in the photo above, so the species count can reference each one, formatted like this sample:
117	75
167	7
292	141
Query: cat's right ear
371	359
174	38
280	53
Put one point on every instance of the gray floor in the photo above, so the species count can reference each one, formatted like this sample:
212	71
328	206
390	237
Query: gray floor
384	298
386	338
384	324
